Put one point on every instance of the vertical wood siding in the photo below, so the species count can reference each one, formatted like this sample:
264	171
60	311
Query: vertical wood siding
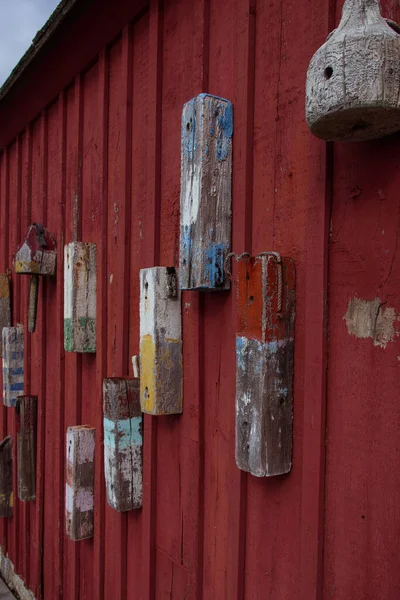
101	164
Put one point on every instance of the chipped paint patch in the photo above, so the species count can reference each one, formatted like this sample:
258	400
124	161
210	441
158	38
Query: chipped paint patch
371	319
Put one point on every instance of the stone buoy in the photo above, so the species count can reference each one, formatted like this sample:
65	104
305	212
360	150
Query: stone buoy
353	81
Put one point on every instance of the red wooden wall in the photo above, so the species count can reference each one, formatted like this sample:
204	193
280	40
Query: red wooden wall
101	163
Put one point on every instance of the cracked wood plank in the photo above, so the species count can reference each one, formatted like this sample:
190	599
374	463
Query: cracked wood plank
264	366
80	297
6	489
206	196
123	443
5	305
79	489
26	413
160	342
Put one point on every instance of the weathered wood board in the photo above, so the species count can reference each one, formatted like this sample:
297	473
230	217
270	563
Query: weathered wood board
79	490
206	193
5	305
80	297
13	364
26	418
160	342
264	365
123	443
352	91
6	490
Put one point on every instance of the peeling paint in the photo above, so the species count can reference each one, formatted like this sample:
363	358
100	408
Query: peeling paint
372	319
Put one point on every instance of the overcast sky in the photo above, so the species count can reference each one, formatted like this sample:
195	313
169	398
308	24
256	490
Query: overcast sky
19	22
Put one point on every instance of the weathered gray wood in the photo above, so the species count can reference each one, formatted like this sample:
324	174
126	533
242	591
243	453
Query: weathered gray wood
79	491
123	443
206	183
264	366
26	413
5	305
354	78
80	297
6	490
13	364
160	342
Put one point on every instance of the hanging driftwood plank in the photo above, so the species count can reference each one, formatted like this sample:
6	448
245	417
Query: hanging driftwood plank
264	365
80	297
79	492
26	412
160	342
6	491
206	184
5	304
13	364
123	443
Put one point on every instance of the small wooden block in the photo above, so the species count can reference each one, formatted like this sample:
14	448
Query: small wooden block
26	412
206	196
5	304
160	342
38	253
6	490
13	364
264	367
79	492
123	443
80	297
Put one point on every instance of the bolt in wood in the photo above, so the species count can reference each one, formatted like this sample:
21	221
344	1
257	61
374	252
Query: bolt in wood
26	412
6	490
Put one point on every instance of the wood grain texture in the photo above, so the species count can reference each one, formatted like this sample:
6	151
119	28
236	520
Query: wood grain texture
123	443
206	192
13	364
265	366
6	477
353	79
26	411
80	297
5	305
160	342
79	489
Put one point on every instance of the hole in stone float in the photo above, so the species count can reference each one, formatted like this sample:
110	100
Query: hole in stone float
328	72
360	125
245	423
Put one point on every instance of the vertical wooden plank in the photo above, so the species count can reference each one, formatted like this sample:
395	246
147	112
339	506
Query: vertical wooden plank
54	480
206	182
264	365
73	361
79	488
139	208
26	411
118	268
6	477
151	233
13	364
160	342
80	297
123	443
5	304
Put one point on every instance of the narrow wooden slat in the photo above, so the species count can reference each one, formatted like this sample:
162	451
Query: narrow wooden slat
160	342
5	305
206	192
26	410
13	364
79	489
80	297
123	443
264	366
6	474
